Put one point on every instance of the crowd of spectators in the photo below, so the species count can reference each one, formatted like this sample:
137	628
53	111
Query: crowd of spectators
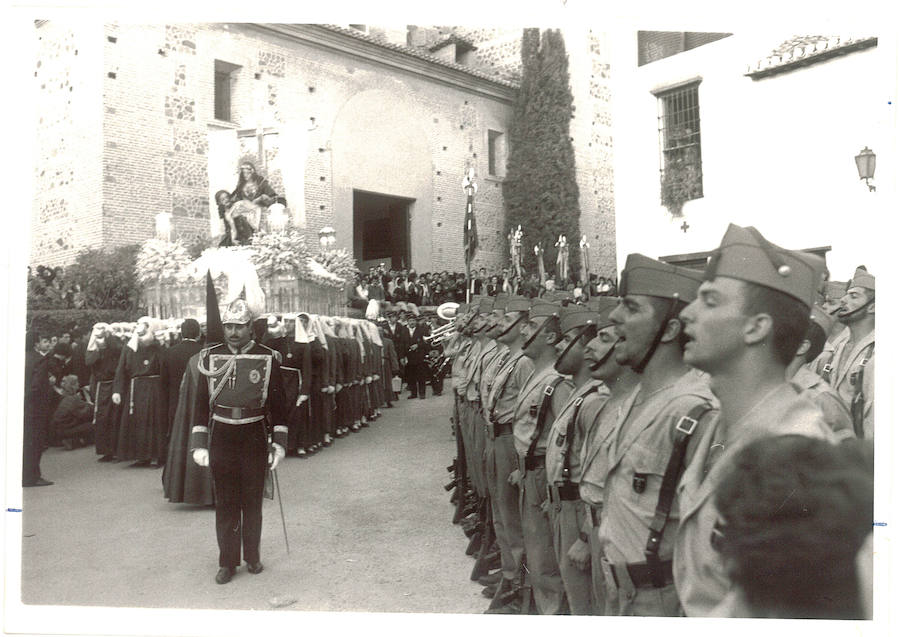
435	288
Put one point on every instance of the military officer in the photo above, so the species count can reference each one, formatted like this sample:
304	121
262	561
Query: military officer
744	328
655	429
540	400
239	405
500	452
568	514
853	373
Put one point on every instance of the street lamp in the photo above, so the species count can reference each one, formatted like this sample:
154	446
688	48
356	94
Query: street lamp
326	237
865	165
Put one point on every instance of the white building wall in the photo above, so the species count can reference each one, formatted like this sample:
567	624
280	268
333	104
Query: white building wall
777	152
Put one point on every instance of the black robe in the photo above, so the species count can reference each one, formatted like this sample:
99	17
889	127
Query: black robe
142	433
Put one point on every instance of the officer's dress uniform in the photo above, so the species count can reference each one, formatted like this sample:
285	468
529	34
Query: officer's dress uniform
640	453
568	514
239	405
851	363
700	576
531	447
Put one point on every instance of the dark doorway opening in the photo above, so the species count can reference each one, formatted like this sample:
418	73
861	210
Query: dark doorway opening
380	230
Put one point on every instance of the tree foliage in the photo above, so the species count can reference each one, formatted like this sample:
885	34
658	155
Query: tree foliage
103	279
540	190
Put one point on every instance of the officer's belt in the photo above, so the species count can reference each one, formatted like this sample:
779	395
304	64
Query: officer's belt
534	462
640	574
565	492
238	415
499	429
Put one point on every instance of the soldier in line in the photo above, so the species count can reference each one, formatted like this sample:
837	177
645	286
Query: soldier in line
813	386
501	458
540	401
620	381
852	371
239	404
568	514
658	423
744	328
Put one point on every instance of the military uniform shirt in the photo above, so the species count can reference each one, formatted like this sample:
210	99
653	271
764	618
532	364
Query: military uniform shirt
595	453
846	363
505	392
593	395
491	365
826	398
473	385
700	576
639	455
458	368
528	405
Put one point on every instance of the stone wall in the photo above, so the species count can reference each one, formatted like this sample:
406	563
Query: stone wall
66	203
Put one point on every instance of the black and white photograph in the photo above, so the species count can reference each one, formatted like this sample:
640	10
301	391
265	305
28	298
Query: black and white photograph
551	308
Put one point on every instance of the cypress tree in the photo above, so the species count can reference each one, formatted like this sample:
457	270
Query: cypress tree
540	190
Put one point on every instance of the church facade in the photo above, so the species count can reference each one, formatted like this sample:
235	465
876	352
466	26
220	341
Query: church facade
366	130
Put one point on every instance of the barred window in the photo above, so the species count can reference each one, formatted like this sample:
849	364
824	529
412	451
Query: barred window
680	167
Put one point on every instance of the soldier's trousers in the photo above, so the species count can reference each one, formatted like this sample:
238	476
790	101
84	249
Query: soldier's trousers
500	461
546	582
238	458
566	519
622	598
473	461
598	582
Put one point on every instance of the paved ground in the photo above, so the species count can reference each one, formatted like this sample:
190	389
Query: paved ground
368	522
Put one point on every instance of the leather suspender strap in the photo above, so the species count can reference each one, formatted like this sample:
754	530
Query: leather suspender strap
542	414
858	402
570	431
824	368
683	431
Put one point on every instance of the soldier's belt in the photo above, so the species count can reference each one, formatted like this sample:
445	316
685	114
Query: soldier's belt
496	429
238	415
563	492
534	462
640	574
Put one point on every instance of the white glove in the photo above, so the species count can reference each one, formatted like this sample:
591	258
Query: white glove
201	457
376	377
276	453
338	387
368	379
331	389
301	399
117	398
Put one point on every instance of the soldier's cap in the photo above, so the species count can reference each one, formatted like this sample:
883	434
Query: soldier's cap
485	305
603	306
862	278
542	309
518	304
834	290
237	313
648	277
576	317
746	255
501	301
822	318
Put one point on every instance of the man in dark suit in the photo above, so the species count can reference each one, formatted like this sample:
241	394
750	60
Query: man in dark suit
415	347
38	392
174	362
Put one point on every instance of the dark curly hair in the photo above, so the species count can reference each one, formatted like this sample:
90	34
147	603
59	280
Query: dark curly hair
794	512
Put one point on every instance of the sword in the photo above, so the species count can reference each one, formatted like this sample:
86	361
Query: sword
281	508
